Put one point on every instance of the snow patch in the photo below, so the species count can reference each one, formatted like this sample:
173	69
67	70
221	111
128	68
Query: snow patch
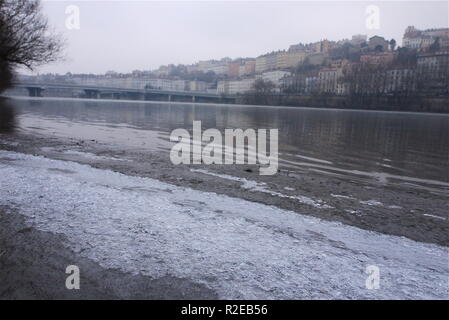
433	216
394	207
372	203
261	187
89	155
86	155
341	196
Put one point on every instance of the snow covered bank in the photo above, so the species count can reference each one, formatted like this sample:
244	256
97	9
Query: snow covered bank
238	248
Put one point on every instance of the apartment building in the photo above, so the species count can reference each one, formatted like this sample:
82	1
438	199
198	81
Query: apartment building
328	79
117	82
167	84
399	80
223	87
274	76
234	68
377	42
235	86
266	62
195	85
310	48
291	59
358	39
279	60
433	62
293	83
433	72
247	67
420	39
377	57
311	85
219	67
342	88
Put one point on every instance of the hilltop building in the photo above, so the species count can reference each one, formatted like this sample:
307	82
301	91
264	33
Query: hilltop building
421	39
378	43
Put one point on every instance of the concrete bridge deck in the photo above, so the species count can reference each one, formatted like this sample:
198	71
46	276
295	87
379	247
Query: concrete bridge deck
90	91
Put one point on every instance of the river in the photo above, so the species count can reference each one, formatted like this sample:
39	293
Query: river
400	147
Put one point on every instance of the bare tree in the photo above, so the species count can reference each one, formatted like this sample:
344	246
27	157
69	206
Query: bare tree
25	36
392	44
5	75
262	92
264	87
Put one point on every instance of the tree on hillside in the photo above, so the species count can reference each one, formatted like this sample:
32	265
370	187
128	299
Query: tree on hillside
406	57
25	38
435	46
5	75
262	93
264	86
392	44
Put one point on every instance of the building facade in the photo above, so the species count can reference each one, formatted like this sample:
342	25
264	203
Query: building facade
274	76
420	39
433	72
377	57
328	79
378	43
399	80
247	67
235	86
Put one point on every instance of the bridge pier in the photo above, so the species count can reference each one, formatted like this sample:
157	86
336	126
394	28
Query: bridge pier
169	98
92	93
135	95
35	91
193	99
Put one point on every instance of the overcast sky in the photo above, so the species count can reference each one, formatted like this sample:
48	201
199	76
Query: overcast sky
128	35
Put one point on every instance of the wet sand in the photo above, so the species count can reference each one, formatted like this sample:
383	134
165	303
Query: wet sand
33	265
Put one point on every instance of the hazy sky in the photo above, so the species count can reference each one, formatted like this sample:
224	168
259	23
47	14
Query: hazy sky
141	34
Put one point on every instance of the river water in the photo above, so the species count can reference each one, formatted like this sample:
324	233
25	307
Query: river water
410	148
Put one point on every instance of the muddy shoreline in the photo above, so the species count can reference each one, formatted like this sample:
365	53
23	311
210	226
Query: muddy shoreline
33	262
33	265
386	208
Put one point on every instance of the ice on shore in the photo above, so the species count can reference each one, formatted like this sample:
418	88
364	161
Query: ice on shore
342	196
241	249
81	154
261	187
372	203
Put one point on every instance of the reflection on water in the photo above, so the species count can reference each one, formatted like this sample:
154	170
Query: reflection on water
7	117
383	145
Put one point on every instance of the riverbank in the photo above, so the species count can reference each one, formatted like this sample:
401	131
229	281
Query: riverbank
418	213
373	103
380	103
33	264
214	245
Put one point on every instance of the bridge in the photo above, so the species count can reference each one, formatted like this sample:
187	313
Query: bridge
96	92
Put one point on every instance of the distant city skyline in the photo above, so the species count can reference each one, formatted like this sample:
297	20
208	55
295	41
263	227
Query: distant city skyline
120	36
